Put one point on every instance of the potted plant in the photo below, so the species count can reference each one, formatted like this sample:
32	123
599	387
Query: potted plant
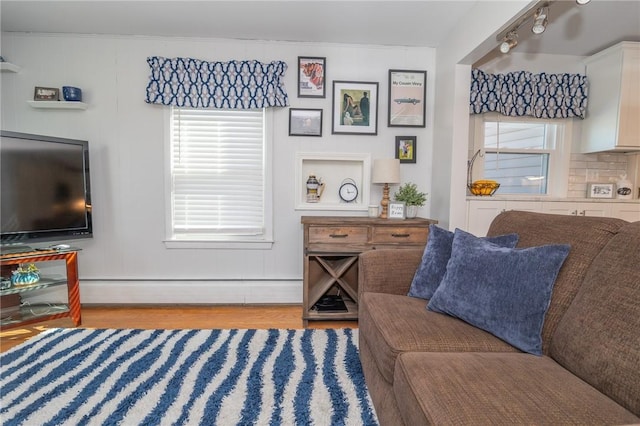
412	198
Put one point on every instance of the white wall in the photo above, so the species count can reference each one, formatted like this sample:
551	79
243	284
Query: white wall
126	261
473	38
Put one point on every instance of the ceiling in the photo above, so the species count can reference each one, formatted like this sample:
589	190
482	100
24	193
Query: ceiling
572	30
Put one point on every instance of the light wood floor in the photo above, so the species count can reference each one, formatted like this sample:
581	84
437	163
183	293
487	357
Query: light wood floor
176	317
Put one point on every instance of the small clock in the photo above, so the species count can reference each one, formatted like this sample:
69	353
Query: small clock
348	190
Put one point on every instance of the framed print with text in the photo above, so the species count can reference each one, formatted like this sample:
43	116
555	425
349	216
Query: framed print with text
407	97
355	108
305	122
311	77
406	149
601	190
396	210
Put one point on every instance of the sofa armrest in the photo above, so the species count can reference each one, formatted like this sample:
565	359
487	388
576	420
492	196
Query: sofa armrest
388	270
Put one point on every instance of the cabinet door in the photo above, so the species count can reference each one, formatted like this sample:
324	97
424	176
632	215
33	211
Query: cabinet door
577	208
626	211
594	209
563	208
526	206
480	214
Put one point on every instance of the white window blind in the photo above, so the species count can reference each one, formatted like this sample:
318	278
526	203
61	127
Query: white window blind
217	173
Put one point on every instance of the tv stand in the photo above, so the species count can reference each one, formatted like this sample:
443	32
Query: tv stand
15	313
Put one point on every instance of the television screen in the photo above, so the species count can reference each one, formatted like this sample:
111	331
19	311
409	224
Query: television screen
45	189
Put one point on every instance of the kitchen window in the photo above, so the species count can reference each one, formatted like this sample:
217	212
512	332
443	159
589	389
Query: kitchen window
526	156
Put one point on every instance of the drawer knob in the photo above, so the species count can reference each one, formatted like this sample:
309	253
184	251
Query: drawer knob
338	235
400	235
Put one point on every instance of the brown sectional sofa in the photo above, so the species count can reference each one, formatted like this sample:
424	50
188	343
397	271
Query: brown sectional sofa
424	367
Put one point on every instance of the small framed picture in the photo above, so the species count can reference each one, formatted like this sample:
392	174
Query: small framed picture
396	210
312	73
406	149
355	108
305	122
601	190
407	97
46	94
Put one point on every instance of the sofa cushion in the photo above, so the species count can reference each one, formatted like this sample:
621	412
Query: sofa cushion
501	290
598	339
392	324
497	388
587	236
436	254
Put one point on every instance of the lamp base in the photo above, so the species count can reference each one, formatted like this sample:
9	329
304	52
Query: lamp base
385	202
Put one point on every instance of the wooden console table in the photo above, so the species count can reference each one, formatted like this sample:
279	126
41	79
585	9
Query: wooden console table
15	314
331	248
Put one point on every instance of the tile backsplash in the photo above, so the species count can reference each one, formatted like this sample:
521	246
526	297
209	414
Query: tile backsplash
599	167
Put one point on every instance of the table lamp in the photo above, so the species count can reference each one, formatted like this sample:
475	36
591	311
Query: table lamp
386	171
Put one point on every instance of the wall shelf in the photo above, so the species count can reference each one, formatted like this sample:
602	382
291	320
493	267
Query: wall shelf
9	67
333	169
58	105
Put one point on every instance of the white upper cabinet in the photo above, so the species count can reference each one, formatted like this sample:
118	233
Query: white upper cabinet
613	109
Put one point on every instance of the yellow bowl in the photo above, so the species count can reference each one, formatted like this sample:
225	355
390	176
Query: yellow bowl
484	187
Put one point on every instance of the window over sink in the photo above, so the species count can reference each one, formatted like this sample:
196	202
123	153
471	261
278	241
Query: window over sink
526	156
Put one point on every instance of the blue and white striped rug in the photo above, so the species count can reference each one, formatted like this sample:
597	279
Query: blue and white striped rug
185	377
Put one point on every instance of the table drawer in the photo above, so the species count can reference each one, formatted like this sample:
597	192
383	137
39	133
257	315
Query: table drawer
338	234
400	235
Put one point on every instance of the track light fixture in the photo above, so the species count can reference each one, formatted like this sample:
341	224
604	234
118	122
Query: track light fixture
510	41
540	20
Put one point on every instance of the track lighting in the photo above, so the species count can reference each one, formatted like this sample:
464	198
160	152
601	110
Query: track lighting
540	20
510	41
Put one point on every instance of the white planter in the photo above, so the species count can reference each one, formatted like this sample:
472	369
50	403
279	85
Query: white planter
412	211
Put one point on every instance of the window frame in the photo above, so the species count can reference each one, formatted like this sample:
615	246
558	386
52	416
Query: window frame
559	158
259	242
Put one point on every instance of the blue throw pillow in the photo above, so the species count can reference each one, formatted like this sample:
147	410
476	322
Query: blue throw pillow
504	291
436	255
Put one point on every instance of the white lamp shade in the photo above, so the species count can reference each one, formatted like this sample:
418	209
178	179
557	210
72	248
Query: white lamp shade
386	170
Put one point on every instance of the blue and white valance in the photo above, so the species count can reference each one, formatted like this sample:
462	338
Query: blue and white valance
523	93
187	82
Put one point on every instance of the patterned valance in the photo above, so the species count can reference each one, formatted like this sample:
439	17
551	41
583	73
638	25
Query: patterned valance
523	93
186	82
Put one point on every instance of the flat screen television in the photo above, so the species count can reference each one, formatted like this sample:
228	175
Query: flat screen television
45	189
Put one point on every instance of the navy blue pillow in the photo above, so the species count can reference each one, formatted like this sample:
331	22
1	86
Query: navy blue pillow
436	255
504	291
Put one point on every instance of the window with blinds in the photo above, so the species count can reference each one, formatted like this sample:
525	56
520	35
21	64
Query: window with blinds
218	173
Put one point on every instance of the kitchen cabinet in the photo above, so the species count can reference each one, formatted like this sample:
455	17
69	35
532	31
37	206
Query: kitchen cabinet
626	211
573	208
480	213
613	107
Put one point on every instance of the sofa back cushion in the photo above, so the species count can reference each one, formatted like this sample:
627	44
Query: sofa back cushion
587	236
598	339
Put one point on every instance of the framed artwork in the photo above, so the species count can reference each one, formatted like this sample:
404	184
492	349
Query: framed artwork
406	149
46	94
407	97
396	210
355	108
601	190
305	122
311	77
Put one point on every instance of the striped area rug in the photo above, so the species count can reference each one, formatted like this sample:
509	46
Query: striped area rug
185	377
